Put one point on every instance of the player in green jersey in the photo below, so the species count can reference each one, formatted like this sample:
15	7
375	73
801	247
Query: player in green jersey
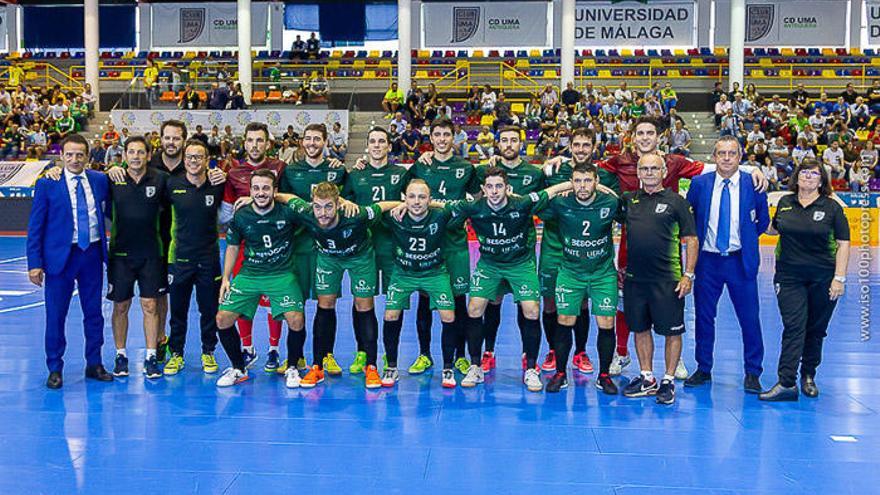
419	266
373	181
585	223
342	244
506	231
300	178
265	231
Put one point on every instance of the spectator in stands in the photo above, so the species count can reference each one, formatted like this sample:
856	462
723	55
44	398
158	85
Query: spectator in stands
472	103
840	132
214	140
460	141
534	112
443	109
16	75
189	99
680	140
114	155
546	144
287	152
799	122
802	151
849	94
653	107
669	97
753	136
414	107
230	143
715	97
740	105
779	156
870	158
89	98
80	113
622	94
485	145
199	135
563	141
291	136
549	99
298	49
609	129
313	46
392	101
721	109
44	111
770	173
318	88
859	176
775	107
841	108
753	96
110	136
432	96
503	115
824	104
236	97
817	121
800	99
151	81
487	100
873	96
336	142
832	158
610	107
399	123
860	114
731	125
37	142
570	97
410	141
396	142
218	97
850	156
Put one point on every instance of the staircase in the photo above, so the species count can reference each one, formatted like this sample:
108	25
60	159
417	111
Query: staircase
703	134
359	127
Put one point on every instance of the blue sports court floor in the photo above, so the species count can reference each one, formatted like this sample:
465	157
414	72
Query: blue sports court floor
183	435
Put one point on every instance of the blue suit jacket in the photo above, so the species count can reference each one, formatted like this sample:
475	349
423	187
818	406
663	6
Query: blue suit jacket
50	228
754	216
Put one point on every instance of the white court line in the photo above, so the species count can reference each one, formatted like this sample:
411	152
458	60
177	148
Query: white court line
31	305
13	260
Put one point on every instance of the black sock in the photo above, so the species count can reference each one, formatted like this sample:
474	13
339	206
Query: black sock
447	343
474	331
424	322
520	323
325	321
531	332
295	342
581	331
562	346
231	343
605	343
548	320
357	325
391	339
461	335
491	322
330	336
369	334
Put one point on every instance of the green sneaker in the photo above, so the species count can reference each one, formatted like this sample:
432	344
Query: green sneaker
331	366
420	365
384	362
209	364
174	365
163	351
462	365
360	362
301	364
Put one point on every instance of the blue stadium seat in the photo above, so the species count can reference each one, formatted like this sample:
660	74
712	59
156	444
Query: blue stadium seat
388	54
165	55
462	54
814	52
653	53
522	54
705	51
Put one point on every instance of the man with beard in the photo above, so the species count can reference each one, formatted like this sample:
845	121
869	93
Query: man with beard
301	178
238	184
375	181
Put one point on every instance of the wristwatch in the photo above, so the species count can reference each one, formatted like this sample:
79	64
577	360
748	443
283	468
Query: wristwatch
690	275
840	279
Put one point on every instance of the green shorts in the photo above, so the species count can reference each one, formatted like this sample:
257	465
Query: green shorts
361	272
304	266
573	286
435	283
488	280
548	269
458	265
385	267
281	289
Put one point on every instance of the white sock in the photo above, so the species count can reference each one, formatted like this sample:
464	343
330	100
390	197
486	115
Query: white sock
668	377
121	352
273	348
648	375
151	353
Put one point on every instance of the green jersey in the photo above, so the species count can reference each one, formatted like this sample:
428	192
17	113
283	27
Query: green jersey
550	239
349	237
586	230
451	180
300	178
372	185
267	238
524	177
418	247
506	235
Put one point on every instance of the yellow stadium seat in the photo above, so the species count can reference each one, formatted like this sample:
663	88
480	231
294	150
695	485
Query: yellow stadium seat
785	73
856	52
459	63
129	55
517	108
535	53
829	74
478	54
679	52
522	64
821	147
510	74
673	74
385	63
765	62
369	74
336	54
589	62
656	62
359	64
333	64
757	73
720	51
604	74
424	54
626	52
530	149
488	120
373	54
550	74
189	55
125	75
787	52
828	52
697	62
421	74
875	61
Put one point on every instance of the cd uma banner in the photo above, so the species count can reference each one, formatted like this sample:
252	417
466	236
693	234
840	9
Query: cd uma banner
205	24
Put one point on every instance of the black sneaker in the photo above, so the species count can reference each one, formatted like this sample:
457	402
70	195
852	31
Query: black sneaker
666	392
638	387
558	382
151	368
606	384
120	368
273	361
163	351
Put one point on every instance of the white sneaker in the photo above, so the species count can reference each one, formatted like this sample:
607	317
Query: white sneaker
681	373
448	380
231	376
292	378
532	380
473	378
618	364
390	376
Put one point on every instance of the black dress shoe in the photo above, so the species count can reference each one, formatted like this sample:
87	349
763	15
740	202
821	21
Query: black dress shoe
780	394
752	384
98	373
808	387
54	382
698	378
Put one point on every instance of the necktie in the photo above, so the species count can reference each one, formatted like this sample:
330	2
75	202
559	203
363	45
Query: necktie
82	215
722	241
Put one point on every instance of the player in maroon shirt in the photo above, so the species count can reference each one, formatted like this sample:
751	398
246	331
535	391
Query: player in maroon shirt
256	140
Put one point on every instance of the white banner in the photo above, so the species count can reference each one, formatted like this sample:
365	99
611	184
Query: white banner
659	23
475	24
142	121
205	24
872	13
775	23
20	174
3	30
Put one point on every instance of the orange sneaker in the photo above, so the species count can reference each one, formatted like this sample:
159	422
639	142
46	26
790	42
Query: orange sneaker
314	377
371	377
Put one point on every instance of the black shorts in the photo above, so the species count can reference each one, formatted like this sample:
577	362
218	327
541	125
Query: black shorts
653	304
151	276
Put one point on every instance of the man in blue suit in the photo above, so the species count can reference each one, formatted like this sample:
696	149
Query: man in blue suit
67	246
730	217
